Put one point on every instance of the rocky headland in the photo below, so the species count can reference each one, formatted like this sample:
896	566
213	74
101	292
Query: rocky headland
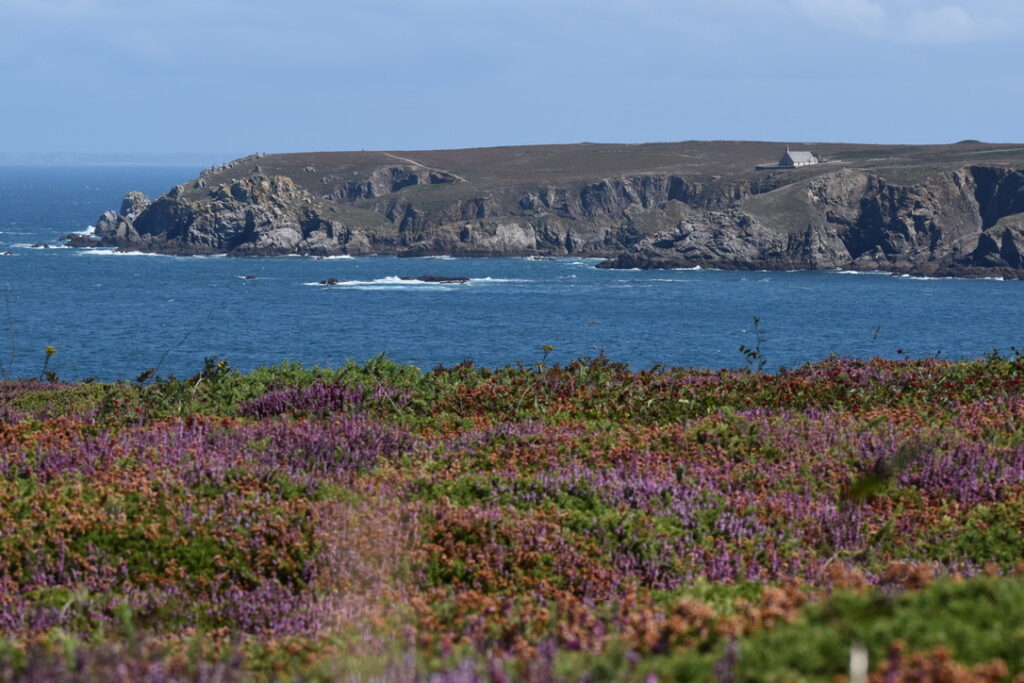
933	210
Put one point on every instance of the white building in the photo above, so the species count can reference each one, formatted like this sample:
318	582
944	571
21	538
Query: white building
792	159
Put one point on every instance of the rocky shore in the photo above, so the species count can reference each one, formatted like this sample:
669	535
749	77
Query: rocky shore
933	210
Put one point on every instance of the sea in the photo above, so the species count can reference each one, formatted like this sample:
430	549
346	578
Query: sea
111	316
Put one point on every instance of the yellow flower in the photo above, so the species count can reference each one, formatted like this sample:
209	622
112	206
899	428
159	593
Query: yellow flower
50	350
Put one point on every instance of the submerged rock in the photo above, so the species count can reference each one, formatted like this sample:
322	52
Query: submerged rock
438	279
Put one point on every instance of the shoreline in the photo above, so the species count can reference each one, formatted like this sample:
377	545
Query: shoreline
620	261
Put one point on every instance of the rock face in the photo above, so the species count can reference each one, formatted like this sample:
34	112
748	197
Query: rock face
256	215
968	219
120	226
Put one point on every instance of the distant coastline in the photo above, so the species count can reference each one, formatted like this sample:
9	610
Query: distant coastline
942	210
200	159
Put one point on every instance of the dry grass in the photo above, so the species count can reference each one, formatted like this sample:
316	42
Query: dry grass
489	168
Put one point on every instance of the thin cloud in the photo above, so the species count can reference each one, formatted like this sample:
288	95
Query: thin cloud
860	16
951	24
49	8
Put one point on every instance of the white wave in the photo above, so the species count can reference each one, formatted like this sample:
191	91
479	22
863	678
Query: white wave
498	279
25	245
106	251
91	230
859	272
111	251
336	257
440	257
693	268
907	276
397	288
390	281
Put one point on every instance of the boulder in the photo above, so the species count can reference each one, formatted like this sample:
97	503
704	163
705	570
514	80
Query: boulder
79	240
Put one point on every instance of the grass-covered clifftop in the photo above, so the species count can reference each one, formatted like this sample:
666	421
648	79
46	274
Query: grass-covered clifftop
584	522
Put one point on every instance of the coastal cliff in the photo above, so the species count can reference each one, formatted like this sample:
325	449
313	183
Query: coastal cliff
952	209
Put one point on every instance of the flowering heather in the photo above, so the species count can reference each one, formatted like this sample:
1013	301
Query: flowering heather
320	400
565	523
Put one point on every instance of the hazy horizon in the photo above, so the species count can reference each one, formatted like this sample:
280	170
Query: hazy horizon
145	78
114	158
209	158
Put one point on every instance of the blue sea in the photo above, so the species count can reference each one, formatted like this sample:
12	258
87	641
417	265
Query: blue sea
112	316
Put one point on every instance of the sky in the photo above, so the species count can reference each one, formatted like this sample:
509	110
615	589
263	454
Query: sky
234	77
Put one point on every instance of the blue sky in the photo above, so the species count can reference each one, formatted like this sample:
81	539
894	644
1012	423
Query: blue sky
242	76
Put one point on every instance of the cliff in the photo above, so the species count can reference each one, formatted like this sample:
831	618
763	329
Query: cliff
950	209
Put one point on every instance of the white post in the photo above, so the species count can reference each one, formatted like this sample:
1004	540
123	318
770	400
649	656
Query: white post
858	663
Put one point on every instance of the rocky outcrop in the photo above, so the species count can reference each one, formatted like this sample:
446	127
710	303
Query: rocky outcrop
968	219
965	221
265	215
390	179
258	215
120	226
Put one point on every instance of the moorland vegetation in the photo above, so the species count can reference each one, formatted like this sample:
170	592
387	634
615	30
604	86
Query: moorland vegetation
576	522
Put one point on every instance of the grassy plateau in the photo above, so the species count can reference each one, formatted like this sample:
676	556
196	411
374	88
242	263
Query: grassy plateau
584	522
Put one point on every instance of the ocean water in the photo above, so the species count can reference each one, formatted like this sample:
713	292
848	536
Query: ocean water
112	316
